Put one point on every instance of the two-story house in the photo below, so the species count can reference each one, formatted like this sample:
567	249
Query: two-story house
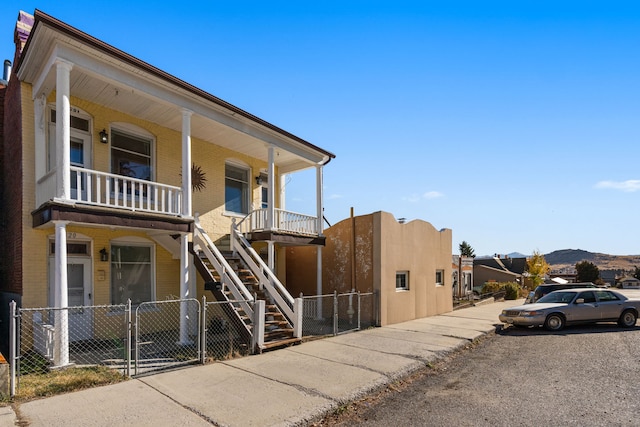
122	182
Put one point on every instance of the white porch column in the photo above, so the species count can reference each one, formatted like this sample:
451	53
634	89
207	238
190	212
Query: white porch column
271	258
184	289
186	163
61	318
39	111
63	130
271	214
320	213
271	180
319	198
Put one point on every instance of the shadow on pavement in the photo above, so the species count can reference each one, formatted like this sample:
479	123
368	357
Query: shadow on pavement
596	328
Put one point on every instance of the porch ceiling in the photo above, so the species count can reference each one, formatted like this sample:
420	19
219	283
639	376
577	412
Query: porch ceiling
114	79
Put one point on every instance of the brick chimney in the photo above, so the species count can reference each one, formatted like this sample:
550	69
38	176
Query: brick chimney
23	29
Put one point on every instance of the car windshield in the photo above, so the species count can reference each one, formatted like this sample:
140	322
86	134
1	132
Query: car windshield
558	296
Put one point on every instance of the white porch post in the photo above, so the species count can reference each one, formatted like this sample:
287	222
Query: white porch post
271	206
319	198
61	320
185	266
320	213
39	111
184	289
270	189
186	163
63	130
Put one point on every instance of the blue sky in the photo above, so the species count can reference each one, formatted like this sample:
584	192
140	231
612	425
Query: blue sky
515	124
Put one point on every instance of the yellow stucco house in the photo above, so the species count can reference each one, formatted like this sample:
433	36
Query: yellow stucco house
122	183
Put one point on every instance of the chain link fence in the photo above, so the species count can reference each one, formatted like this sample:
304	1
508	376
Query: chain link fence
338	313
95	335
224	337
159	335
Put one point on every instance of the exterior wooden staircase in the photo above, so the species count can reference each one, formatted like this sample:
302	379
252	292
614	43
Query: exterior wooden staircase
278	331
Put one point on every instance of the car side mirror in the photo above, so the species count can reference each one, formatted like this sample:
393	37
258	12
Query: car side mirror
580	301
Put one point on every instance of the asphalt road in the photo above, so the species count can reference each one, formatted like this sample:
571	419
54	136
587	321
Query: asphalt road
581	376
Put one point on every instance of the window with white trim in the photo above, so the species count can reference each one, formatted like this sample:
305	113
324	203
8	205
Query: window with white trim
132	273
402	281
236	189
131	155
439	277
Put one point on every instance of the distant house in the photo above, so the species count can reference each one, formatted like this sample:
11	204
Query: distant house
629	283
462	275
498	269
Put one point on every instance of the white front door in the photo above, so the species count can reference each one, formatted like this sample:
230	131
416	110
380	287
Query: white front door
79	293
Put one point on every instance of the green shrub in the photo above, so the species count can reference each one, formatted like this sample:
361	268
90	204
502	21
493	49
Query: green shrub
512	290
490	287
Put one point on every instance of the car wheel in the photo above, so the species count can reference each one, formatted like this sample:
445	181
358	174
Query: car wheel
554	322
628	319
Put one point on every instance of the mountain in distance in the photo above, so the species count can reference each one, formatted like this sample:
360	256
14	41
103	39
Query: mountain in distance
565	259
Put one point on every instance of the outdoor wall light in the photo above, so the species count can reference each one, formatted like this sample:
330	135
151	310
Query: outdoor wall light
259	179
104	255
104	136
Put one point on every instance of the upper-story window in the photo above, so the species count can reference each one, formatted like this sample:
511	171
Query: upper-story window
80	144
131	155
236	189
264	190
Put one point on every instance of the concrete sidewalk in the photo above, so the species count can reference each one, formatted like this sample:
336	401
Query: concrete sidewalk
284	387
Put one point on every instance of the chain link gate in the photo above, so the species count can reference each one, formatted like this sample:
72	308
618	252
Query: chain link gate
166	335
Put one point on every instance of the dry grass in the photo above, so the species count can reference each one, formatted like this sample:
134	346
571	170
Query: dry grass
34	386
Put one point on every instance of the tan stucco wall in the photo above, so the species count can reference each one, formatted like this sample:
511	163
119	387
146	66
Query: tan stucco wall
420	249
382	247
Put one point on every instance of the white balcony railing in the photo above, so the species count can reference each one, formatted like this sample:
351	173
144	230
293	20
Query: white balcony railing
114	191
283	221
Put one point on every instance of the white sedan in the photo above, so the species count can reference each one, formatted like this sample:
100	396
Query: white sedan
574	306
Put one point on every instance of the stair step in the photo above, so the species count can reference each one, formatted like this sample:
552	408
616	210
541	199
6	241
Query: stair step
278	334
281	343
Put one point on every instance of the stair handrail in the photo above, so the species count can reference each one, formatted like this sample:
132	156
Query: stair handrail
228	277
263	273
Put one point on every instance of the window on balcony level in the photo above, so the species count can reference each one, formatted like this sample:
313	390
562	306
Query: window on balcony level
131	155
236	189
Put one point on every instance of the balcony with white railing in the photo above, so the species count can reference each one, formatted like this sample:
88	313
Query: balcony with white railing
91	187
283	222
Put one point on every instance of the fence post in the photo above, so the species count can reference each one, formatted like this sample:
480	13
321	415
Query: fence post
297	314
127	350
258	325
359	309
335	313
203	330
136	339
12	348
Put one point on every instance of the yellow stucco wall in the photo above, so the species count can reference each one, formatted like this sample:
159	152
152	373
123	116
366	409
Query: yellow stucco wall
167	168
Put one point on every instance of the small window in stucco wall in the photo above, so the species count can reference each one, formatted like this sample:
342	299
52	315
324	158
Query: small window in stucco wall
439	277
402	281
